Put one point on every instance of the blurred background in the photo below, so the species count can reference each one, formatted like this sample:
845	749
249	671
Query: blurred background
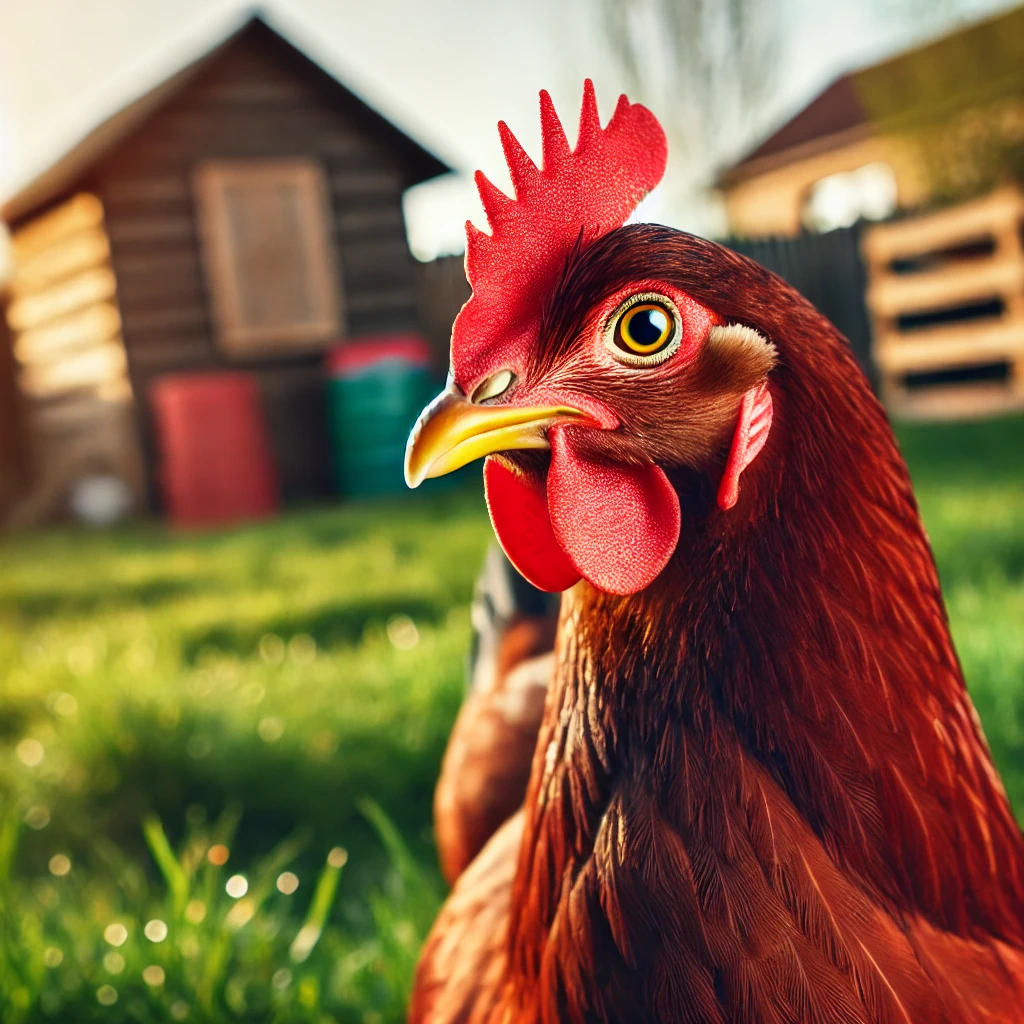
231	644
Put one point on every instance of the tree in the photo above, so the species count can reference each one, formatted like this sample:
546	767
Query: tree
708	67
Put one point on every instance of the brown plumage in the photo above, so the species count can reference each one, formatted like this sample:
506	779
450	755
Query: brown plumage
760	793
487	764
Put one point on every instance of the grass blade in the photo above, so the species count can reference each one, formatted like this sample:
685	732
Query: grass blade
169	865
320	906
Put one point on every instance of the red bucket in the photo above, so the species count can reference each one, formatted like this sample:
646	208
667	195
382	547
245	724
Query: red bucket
214	449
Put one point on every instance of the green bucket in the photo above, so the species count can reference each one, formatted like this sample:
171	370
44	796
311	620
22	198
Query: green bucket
376	389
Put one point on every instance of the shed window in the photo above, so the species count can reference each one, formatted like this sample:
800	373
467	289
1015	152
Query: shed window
271	270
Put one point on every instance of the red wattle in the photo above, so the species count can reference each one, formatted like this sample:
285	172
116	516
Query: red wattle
518	507
618	524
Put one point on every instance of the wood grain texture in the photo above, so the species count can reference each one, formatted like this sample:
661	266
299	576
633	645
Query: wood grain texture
255	99
949	263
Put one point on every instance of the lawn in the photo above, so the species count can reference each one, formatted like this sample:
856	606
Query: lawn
217	752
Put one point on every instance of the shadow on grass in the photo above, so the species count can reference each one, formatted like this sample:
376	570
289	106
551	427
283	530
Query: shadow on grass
980	553
986	450
332	625
33	606
17	713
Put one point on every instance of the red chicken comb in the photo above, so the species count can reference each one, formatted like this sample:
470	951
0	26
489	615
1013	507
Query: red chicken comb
577	195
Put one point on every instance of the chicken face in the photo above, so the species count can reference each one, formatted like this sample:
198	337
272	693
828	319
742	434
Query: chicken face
575	347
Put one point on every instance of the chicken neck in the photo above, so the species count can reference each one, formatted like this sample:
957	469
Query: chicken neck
790	675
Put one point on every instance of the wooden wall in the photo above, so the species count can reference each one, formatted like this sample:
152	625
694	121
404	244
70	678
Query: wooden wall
66	349
257	97
13	452
441	289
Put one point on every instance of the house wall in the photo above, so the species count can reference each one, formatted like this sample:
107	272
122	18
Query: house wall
256	98
770	198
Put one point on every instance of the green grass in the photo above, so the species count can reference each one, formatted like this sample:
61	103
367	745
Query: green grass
270	690
969	480
284	693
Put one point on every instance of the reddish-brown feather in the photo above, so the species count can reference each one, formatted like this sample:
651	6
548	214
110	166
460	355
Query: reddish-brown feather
760	793
487	764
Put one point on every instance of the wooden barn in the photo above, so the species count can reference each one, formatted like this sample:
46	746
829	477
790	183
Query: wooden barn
245	214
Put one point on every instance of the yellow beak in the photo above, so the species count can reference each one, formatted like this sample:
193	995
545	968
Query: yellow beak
451	432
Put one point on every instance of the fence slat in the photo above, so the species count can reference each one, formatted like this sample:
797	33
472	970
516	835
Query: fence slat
947	297
828	271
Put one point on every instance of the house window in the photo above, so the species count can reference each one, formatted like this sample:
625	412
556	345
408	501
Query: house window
842	199
272	276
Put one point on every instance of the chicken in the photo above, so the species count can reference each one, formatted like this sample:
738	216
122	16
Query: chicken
760	792
487	764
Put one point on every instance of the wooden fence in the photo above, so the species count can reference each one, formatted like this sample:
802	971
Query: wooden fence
441	290
946	294
827	269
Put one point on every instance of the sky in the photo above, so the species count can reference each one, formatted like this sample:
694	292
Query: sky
443	70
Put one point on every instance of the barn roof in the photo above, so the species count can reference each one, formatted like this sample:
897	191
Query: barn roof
97	143
970	66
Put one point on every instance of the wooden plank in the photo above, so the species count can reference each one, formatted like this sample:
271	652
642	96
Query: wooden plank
150	293
246	75
203	130
347	184
955	345
917	236
228	90
376	265
370	219
155	354
59	261
955	284
14	450
961	401
171	319
375	300
156	154
150	190
85	289
151	230
76	410
77	214
90	367
80	330
136	269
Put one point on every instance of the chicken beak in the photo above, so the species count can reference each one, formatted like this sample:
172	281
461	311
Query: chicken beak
451	432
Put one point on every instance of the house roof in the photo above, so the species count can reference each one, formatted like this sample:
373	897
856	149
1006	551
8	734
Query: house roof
972	65
98	142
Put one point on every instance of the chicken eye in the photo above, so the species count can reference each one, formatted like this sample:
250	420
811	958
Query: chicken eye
644	331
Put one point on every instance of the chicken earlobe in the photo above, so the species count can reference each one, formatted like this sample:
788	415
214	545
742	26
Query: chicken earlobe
752	426
736	354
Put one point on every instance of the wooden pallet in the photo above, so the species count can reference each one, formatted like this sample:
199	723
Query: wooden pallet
953	262
63	316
